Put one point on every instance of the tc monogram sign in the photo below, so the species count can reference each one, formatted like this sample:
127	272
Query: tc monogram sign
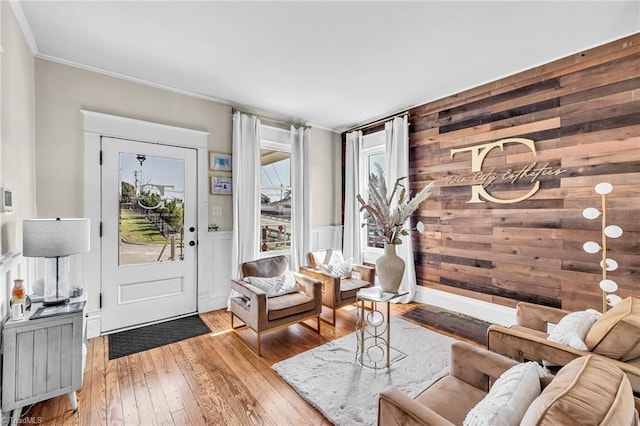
482	179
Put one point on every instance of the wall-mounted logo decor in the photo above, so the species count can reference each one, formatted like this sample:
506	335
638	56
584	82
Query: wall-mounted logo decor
480	179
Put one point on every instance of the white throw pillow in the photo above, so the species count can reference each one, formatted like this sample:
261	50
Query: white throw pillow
508	398
572	329
341	269
275	286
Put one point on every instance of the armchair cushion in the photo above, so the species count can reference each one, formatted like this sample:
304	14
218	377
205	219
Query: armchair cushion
588	390
509	397
324	257
438	398
617	333
275	286
349	287
341	269
289	304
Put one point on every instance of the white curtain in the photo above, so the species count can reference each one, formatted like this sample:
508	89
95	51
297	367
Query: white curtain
246	190
397	159
352	246
301	217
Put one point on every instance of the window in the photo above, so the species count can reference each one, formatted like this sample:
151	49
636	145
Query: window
373	158
373	151
275	190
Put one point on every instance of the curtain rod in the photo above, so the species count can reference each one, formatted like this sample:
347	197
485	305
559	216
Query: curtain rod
266	117
373	123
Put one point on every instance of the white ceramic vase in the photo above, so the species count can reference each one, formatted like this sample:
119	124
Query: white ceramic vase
390	268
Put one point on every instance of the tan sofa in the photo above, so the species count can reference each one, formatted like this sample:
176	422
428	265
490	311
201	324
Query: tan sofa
568	399
264	314
337	292
614	337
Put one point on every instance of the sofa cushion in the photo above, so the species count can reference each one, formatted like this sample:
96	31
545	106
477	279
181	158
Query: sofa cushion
275	286
509	397
617	333
586	391
572	329
289	304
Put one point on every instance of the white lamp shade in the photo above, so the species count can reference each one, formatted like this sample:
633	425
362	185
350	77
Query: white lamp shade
591	213
609	286
612	265
591	247
603	188
420	227
613	299
55	237
613	231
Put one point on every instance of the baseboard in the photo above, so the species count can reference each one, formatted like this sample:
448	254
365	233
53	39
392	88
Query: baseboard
490	312
212	302
93	324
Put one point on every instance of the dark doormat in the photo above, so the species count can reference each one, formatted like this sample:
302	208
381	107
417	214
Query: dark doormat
152	336
453	323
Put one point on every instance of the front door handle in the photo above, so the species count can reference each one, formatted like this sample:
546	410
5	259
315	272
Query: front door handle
192	243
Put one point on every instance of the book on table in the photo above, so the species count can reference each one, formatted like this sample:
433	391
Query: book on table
374	292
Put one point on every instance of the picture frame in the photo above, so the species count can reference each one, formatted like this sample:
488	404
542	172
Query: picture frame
6	200
221	185
219	161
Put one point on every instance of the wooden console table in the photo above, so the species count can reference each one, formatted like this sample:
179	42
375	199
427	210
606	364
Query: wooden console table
42	358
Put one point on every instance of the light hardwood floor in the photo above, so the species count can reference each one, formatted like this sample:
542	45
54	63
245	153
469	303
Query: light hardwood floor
213	379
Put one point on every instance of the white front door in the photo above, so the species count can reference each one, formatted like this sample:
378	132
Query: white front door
149	219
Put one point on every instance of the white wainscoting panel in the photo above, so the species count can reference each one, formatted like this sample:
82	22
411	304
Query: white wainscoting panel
326	237
215	257
13	266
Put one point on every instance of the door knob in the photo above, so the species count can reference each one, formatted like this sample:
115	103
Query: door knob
192	243
192	229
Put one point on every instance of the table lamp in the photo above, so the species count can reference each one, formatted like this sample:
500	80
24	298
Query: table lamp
55	240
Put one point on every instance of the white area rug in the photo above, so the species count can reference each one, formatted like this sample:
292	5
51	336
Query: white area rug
331	380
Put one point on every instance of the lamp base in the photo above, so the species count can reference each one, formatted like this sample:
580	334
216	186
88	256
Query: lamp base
56	280
55	302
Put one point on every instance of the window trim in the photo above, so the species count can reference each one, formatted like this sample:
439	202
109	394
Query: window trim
275	139
372	144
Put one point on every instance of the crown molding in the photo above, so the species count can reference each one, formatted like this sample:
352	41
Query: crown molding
24	26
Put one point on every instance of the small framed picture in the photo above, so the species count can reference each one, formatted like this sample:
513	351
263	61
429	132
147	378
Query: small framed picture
219	161
221	185
6	200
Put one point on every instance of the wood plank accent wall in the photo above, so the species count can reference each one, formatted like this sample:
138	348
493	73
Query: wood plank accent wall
583	114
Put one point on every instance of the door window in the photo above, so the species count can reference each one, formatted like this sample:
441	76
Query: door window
151	209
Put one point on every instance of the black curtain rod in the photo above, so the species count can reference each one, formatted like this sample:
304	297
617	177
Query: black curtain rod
272	119
374	123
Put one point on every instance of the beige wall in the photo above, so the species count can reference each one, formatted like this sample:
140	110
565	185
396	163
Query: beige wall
17	129
62	91
326	177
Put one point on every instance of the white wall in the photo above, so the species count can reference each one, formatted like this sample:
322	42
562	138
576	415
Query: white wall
62	91
326	177
17	150
18	133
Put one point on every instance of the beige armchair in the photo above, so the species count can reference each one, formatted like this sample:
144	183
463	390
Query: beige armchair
568	399
262	313
337	292
617	330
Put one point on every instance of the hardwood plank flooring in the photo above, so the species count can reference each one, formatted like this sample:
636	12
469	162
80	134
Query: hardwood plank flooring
213	379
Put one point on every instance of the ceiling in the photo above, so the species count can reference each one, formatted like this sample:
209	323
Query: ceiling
332	64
